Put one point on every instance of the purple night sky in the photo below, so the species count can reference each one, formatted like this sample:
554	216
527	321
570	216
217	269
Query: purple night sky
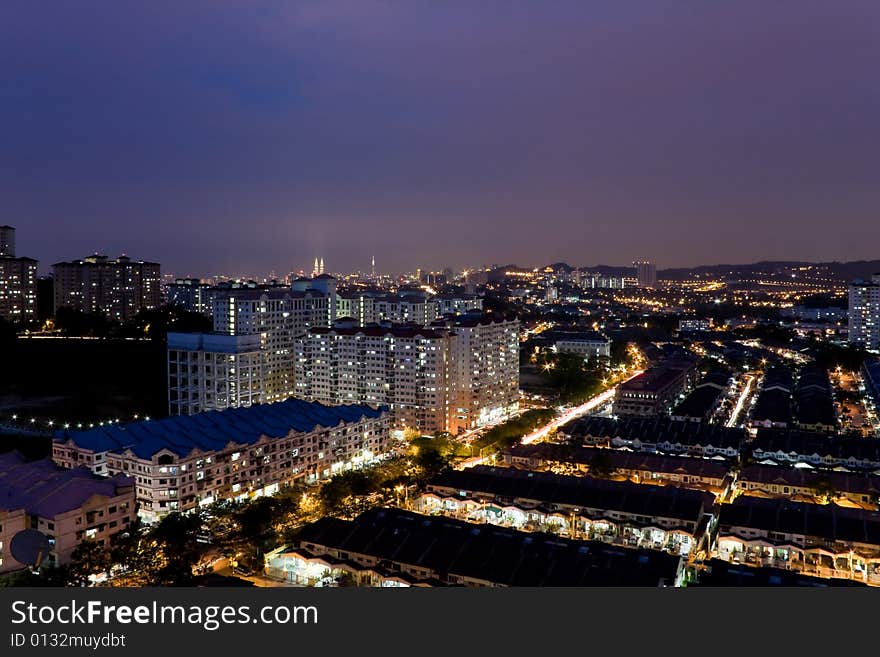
229	136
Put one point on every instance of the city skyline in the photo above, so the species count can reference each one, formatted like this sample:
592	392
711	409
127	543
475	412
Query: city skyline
261	272
254	138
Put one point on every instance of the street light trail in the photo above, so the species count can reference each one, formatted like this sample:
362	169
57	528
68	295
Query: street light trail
541	432
734	416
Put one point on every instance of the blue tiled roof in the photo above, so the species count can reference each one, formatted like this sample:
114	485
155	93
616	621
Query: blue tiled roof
213	430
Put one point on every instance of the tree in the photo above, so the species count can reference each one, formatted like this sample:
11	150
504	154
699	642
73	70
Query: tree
88	558
136	559
570	375
77	322
345	579
602	465
7	333
823	489
432	463
176	537
47	576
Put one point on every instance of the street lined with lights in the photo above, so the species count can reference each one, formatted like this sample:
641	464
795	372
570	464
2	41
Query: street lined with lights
542	432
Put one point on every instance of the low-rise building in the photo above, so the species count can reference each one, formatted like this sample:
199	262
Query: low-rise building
820	450
814	400
653	392
641	468
657	435
809	485
394	548
773	405
717	572
829	314
589	344
694	325
182	463
871	377
620	512
825	540
68	506
705	399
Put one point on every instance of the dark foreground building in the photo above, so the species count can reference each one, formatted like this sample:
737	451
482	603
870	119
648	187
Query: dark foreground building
392	547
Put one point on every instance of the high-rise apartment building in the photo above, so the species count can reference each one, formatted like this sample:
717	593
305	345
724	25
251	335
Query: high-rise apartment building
405	367
249	357
405	309
646	273
457	304
366	308
211	372
485	375
192	295
452	376
7	241
18	281
864	313
357	306
118	288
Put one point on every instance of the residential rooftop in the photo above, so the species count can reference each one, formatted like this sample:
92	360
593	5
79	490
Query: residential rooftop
718	572
652	380
44	489
551	489
655	431
699	403
795	442
618	459
378	331
504	557
214	430
849	482
826	521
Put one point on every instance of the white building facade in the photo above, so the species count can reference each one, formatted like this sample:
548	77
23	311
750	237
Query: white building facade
180	464
249	358
449	377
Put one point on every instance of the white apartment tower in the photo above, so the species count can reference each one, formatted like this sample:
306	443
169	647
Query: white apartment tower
485	368
864	313
254	360
405	367
451	376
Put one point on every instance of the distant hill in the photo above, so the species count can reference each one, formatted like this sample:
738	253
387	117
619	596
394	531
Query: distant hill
843	271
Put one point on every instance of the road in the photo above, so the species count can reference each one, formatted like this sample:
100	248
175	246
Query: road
541	432
734	415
